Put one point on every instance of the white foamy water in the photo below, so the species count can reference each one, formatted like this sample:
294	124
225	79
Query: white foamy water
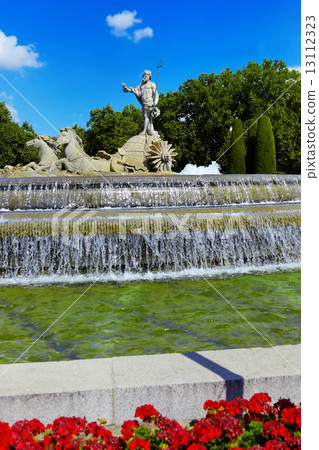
127	277
191	169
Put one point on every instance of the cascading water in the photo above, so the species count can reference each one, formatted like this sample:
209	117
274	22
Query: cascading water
257	223
145	191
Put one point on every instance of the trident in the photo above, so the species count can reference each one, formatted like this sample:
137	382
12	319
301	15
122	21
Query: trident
159	65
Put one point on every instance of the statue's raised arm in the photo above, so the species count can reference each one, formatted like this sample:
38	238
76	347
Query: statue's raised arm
146	94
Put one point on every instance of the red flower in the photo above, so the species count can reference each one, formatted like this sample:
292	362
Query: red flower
92	428
275	429
206	430
196	446
140	444
237	406
259	404
179	438
215	409
104	434
127	426
239	448
284	403
95	445
292	416
230	426
260	398
171	432
5	436
68	426
295	442
146	412
22	437
48	440
210	404
275	445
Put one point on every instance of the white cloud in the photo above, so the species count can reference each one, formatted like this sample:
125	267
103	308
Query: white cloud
298	68
121	22
14	56
142	33
9	106
8	97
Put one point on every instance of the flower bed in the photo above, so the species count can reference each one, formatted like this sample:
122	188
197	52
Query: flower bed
237	424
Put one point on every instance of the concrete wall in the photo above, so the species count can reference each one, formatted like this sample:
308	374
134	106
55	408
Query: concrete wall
176	384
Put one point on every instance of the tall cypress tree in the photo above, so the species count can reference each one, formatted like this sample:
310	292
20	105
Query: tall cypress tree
237	150
251	146
265	158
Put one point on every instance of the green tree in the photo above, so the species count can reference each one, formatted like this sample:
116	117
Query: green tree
251	146
12	140
265	158
108	129
197	118
237	149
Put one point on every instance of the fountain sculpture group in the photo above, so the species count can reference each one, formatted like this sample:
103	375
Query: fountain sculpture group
146	152
92	219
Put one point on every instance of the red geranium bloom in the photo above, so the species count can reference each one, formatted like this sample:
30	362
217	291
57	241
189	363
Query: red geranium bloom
261	397
104	434
115	443
179	438
171	432
210	404
259	403
146	412
127	426
5	436
196	446
215	409
92	427
284	403
239	448
94	445
237	406
292	416
27	443
68	426
275	429
275	445
206	430
230	426
139	443
295	442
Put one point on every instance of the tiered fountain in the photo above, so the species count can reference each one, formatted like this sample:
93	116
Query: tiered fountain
100	225
127	216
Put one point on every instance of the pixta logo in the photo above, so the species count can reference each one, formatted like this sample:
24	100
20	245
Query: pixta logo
71	224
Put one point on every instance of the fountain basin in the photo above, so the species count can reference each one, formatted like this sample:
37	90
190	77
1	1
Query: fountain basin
145	191
99	241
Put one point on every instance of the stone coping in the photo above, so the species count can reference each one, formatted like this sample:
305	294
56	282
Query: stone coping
95	180
176	384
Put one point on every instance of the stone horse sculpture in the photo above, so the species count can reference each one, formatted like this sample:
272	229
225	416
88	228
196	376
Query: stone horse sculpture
77	159
47	152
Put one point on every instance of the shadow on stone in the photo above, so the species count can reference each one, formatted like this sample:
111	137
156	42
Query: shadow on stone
233	381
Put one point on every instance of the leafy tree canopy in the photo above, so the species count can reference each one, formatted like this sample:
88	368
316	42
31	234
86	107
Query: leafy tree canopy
108	129
197	118
12	140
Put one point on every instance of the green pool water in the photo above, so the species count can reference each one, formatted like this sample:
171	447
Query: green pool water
149	317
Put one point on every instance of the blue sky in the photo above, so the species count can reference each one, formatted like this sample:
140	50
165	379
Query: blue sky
67	58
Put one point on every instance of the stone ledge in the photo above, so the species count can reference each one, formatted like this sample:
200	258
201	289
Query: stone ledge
176	384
